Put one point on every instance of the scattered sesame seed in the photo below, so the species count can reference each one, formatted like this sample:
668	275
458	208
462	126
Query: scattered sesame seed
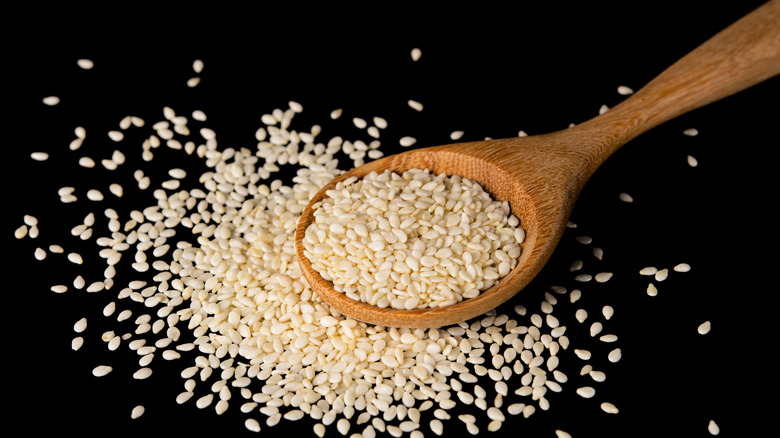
116	135
101	370
652	290
713	428
137	412
407	141
51	100
86	64
682	267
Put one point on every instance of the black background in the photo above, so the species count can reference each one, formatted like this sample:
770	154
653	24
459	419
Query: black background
488	70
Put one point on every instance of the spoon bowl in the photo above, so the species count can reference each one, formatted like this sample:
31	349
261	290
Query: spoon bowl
541	176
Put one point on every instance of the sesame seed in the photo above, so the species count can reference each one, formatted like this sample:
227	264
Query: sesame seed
415	105
652	290
253	425
416	54
101	370
86	64
51	100
609	408
116	135
137	412
407	141
713	428
586	391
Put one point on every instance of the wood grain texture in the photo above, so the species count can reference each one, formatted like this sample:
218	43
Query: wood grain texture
542	176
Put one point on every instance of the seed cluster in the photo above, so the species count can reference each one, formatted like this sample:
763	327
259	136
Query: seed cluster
216	287
413	240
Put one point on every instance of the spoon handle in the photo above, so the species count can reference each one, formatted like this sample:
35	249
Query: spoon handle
740	56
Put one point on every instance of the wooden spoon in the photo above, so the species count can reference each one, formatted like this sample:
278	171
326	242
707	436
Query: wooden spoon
541	176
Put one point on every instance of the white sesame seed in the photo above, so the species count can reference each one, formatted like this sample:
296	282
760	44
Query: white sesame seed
625	197
199	115
624	90
609	408
101	370
80	325
86	64
608	338
650	270
116	189
691	132
197	66
652	290
692	161
40	254
704	328
86	162
582	354
415	105
39	156
21	232
137	412
713	428
116	135
407	141
416	54
359	122
51	100
615	355
94	195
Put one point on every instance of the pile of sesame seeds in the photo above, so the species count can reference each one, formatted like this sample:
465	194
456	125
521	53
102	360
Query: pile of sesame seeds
412	240
229	305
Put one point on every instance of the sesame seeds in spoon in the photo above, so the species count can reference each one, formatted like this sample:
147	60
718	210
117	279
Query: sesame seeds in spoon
541	176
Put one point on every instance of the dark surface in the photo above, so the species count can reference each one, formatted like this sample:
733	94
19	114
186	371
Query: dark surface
490	72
